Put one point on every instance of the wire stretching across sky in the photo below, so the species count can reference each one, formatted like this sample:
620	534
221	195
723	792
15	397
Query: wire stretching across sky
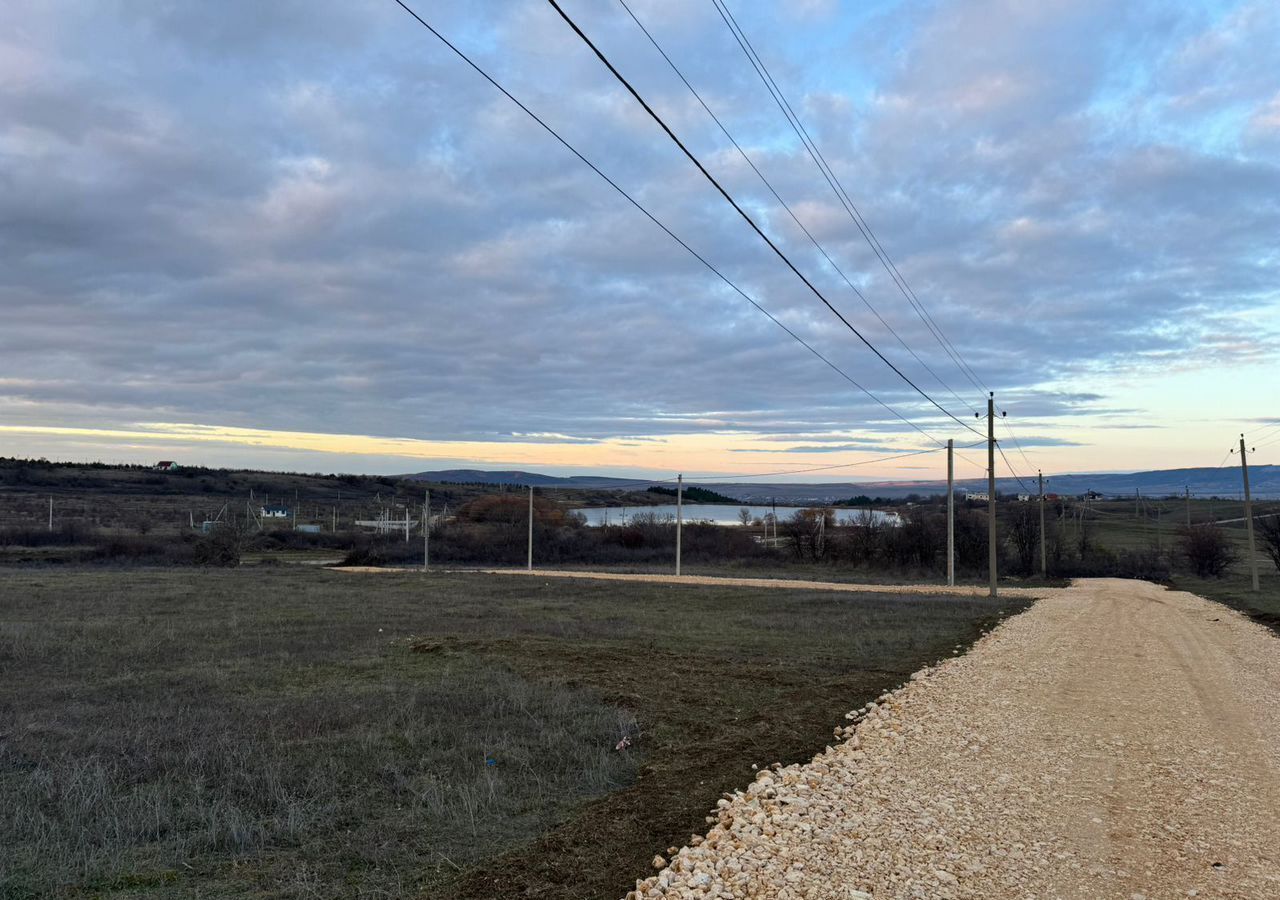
489	78
864	462
797	125
745	215
754	168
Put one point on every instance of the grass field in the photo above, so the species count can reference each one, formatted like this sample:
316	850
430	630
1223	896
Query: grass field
289	732
1116	527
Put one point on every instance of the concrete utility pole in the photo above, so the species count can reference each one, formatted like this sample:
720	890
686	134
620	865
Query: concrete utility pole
426	530
529	561
1248	515
679	516
1044	552
951	513
991	489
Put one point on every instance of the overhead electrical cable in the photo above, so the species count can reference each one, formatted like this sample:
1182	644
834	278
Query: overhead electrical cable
745	215
703	479
1013	471
822	250
1017	443
705	262
842	196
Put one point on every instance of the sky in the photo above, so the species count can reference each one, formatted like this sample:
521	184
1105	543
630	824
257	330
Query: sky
305	235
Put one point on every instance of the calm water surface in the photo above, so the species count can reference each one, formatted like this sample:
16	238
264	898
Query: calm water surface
715	513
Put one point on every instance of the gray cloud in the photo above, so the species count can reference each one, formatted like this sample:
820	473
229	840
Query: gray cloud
312	217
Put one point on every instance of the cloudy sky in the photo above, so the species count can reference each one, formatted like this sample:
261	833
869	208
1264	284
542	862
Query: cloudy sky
306	235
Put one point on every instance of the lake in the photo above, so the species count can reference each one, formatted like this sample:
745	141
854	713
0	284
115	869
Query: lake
717	514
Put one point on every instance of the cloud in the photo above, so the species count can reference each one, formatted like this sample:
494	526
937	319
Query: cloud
311	218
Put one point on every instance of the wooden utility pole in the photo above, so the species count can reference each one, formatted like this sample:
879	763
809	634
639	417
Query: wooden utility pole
679	516
529	560
991	490
426	529
1044	552
951	513
1248	515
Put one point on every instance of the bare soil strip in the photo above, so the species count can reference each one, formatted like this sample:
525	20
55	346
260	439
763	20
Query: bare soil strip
1117	740
787	583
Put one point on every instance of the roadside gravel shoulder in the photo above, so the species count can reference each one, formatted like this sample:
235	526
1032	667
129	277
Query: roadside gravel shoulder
1115	740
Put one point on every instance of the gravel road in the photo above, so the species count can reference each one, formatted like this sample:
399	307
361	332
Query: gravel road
839	586
1115	741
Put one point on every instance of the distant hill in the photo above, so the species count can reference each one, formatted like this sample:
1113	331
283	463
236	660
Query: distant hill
485	476
1224	482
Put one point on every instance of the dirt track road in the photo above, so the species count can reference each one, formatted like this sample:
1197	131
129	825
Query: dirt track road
837	586
1115	741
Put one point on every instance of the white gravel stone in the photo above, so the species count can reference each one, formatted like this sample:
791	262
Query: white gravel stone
1106	743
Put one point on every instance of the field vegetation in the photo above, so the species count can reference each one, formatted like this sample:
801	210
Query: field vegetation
294	732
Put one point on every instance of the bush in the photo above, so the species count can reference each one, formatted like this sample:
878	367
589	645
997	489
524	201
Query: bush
1208	550
223	545
1269	532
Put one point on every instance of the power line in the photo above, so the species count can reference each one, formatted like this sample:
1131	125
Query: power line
657	222
822	250
1012	471
1017	443
864	462
743	213
842	196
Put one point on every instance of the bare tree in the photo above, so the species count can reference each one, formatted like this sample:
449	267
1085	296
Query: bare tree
744	516
807	531
1269	532
1024	535
1208	549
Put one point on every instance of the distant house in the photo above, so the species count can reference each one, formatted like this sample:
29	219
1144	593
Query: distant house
165	465
1024	497
274	512
1090	495
983	496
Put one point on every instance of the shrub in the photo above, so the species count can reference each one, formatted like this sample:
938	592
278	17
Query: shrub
1208	550
1269	532
223	545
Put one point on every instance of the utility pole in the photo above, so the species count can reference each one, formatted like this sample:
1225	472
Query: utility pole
426	530
991	489
679	516
1248	515
51	513
335	520
951	513
529	560
1044	552
1187	491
